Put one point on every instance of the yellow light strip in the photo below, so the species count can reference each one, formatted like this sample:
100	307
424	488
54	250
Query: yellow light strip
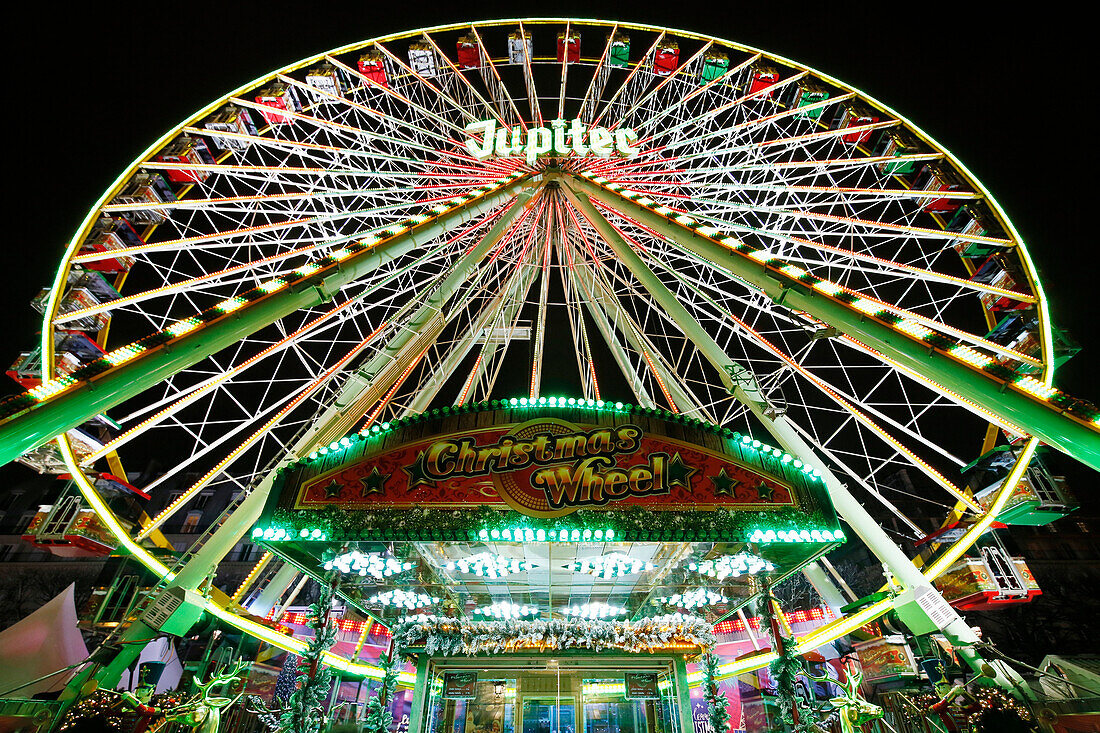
976	530
213	383
318	382
247	582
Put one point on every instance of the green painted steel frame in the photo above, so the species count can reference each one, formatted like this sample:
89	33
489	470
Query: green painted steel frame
35	426
1043	420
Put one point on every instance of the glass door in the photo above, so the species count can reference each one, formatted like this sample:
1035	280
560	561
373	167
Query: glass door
549	715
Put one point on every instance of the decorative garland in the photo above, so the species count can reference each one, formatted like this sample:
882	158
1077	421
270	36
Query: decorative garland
917	708
452	637
632	525
305	711
717	711
785	671
379	715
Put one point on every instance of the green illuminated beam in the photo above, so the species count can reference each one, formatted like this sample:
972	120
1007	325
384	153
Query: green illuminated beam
503	307
1070	434
75	405
605	307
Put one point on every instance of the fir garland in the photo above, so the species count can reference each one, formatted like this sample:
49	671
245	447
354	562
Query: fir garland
785	671
717	712
379	715
305	710
452	637
633	524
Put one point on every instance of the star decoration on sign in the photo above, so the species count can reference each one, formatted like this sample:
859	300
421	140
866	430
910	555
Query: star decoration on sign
723	484
764	491
374	482
417	475
333	490
679	472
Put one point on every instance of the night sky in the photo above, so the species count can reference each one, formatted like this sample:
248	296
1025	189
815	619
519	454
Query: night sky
1007	93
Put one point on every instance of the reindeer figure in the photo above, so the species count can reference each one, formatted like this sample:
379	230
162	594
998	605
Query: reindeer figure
851	708
203	713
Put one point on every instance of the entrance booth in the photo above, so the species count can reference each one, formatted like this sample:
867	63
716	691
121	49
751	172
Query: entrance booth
611	693
550	565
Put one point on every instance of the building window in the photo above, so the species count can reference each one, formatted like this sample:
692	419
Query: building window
9	501
191	523
24	522
202	500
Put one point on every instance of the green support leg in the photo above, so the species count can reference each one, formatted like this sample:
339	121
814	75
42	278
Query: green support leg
683	695
420	694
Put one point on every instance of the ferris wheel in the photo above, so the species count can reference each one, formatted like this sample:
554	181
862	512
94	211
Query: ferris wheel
544	208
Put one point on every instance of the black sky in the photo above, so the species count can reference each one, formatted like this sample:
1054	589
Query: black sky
1007	92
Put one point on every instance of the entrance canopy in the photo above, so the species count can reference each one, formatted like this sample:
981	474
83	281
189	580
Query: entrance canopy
545	509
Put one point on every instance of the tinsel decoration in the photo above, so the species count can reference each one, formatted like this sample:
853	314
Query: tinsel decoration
717	712
305	710
450	636
379	715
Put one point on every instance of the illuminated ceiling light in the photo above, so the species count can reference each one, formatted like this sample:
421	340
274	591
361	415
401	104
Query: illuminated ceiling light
488	565
695	598
720	568
403	599
507	609
613	565
371	564
594	610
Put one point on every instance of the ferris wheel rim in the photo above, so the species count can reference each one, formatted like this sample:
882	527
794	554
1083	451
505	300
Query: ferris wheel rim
74	244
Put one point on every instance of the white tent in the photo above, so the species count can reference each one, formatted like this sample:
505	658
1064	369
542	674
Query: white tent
45	641
158	650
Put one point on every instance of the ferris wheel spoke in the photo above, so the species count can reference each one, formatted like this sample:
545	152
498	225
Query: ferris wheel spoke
503	306
731	76
421	83
860	416
534	385
355	135
633	78
216	238
319	153
689	293
598	81
586	363
920	320
291	402
528	82
682	70
674	130
173	404
395	121
601	298
759	124
493	82
362	113
675	391
452	72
